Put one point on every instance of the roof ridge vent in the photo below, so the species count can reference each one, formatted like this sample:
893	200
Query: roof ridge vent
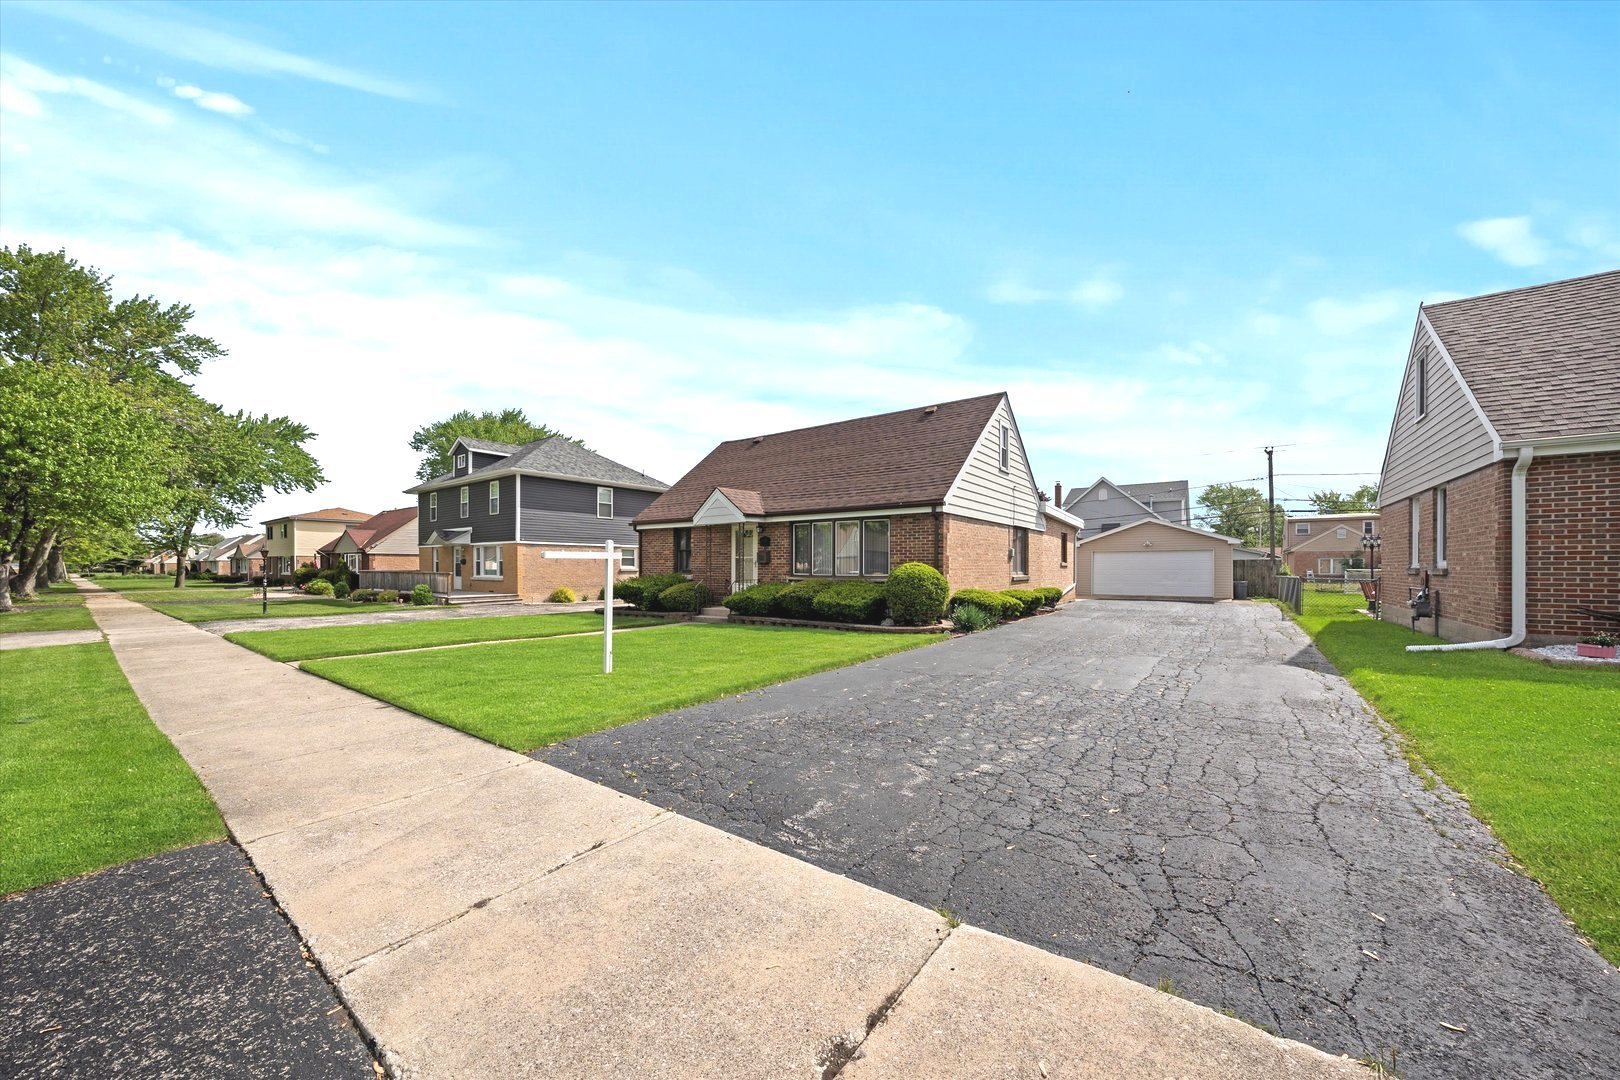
930	410
758	439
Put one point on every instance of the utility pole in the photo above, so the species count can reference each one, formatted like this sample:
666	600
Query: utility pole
1271	507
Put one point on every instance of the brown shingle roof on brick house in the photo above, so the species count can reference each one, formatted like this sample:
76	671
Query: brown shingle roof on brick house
905	458
1544	361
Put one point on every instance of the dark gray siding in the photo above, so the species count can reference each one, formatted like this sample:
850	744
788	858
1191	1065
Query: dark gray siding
486	529
564	512
476	459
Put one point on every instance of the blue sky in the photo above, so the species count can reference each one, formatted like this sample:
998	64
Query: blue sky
1175	233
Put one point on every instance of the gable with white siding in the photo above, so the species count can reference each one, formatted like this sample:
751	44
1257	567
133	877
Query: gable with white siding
1450	439
985	491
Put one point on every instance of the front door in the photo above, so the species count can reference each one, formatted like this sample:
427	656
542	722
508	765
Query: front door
455	567
744	556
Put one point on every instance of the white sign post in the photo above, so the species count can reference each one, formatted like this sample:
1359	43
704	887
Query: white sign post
611	560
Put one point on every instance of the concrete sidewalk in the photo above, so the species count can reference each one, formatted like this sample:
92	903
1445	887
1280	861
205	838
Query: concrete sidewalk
40	639
486	914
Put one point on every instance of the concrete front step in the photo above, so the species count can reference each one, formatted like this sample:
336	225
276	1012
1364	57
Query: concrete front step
480	598
713	614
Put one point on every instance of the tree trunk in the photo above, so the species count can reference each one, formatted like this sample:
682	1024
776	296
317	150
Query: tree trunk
5	581
31	572
185	550
59	571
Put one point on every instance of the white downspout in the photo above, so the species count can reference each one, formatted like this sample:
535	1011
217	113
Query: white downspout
1520	467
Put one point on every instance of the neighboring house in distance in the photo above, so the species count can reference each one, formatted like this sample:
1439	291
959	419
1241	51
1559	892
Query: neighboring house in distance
946	484
488	523
1106	505
246	559
1323	544
1501	480
217	559
1150	559
387	541
292	541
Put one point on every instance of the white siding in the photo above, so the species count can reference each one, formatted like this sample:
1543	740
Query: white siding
1448	441
984	492
402	541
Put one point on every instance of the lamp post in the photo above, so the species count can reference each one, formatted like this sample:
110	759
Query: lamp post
1371	545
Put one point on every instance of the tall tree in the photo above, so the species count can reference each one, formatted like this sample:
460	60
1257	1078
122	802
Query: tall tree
1234	510
1363	499
433	441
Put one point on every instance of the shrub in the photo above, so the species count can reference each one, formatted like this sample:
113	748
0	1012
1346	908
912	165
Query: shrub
1284	571
1050	596
755	600
991	603
916	593
1029	598
422	595
687	596
563	595
971	618
794	602
304	575
341	590
643	592
319	587
388	596
364	596
851	602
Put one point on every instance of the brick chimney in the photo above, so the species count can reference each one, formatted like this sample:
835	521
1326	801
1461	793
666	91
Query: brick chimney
1057	494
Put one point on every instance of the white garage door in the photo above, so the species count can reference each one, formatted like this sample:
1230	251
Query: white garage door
1153	573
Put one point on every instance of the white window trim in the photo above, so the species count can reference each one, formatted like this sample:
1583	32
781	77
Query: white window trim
1004	451
494	497
599	492
1367	528
1422	388
478	563
1440	528
1341	533
461	461
833	523
1417	523
466	501
1302	529
436	560
433	506
628	562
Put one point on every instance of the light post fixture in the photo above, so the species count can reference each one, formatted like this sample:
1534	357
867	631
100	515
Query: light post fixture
1371	545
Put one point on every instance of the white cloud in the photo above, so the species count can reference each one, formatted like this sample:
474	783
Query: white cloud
214	48
1511	239
1331	316
1096	293
23	87
213	100
1015	291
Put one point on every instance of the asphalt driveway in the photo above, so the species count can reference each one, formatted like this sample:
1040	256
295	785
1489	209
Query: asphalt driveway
1186	794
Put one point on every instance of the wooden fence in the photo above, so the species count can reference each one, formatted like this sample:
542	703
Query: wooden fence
1259	574
404	580
1289	591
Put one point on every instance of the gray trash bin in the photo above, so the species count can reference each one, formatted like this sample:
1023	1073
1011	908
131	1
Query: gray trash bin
1240	590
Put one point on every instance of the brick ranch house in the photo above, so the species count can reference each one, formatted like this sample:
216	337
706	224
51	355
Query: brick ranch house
484	527
1323	544
947	484
1501	481
385	541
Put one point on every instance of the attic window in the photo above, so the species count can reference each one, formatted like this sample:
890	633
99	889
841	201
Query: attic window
461	461
1005	456
1422	384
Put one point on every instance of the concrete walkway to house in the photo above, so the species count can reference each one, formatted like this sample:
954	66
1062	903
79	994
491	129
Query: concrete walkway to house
483	913
37	639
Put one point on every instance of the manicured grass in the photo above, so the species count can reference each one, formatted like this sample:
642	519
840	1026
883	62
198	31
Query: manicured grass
199	610
27	618
325	641
534	693
154	582
86	780
1535	748
63	592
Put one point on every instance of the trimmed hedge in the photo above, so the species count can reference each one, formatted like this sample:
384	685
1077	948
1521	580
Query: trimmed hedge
643	592
688	596
318	587
364	596
305	574
797	600
1050	595
341	590
756	600
992	603
1027	597
850	602
388	596
562	594
422	595
916	594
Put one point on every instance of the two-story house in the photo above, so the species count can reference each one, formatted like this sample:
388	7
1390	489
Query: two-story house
1322	545
294	540
487	524
1106	505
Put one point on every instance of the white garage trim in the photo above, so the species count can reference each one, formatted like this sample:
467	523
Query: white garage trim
1182	575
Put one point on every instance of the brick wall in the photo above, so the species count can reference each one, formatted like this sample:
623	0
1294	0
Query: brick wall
1573	543
378	561
524	571
976	556
1474	588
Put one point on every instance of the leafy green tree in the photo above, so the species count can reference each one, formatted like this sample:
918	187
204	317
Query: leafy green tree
434	441
1363	499
1234	510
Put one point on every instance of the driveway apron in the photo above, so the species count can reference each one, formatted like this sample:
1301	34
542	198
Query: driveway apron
1184	794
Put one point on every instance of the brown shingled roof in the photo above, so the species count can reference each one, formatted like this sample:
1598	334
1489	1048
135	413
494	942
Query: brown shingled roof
905	458
332	513
380	526
1544	361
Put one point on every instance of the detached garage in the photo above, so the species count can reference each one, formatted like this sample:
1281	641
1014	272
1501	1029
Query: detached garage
1155	560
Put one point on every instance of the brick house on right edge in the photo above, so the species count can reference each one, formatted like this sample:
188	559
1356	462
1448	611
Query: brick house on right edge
1501	481
945	484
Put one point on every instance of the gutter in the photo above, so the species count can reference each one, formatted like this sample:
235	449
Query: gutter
1520	467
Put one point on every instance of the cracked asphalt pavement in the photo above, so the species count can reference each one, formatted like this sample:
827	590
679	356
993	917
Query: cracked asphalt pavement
1184	794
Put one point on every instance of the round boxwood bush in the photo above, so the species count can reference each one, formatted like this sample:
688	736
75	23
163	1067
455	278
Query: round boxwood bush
794	602
850	602
422	595
916	593
341	590
318	587
756	600
1050	595
686	596
562	595
305	574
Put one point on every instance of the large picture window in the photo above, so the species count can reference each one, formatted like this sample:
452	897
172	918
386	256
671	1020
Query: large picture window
487	561
683	551
852	548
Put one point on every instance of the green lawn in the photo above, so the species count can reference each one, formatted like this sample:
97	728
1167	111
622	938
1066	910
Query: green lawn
63	592
199	610
153	582
1535	748
86	780
26	619
325	641
534	693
